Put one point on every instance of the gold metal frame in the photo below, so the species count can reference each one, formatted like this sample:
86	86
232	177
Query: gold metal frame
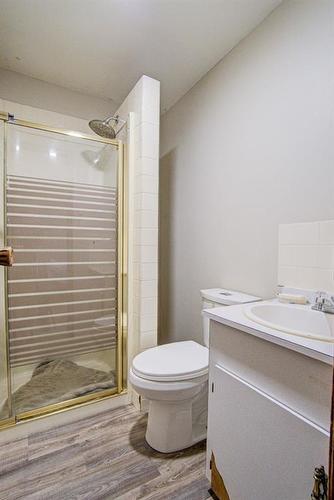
6	422
71	133
4	115
67	405
122	279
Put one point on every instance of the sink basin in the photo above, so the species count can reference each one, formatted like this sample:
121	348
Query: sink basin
295	320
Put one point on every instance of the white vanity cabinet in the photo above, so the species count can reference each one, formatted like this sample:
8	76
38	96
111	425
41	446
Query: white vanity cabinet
269	416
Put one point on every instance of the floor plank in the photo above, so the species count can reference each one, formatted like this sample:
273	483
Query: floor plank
101	457
13	456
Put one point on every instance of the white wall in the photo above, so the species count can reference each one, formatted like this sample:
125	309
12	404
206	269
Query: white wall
45	117
249	147
33	92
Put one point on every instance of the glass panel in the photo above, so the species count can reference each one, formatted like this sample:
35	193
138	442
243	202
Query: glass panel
61	201
4	402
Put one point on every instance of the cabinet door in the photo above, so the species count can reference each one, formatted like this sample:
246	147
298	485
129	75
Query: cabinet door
263	449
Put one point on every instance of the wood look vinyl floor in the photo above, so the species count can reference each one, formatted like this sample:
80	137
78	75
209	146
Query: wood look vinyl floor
101	457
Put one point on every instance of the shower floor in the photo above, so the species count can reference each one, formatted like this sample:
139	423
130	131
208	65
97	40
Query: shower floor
60	380
104	456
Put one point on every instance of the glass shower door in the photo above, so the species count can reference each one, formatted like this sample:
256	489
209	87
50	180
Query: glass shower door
64	221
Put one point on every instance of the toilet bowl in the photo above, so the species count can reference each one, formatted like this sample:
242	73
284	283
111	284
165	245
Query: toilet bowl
174	379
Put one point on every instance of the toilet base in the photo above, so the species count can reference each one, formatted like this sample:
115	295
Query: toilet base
176	425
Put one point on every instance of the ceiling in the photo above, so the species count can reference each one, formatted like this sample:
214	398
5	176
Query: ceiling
102	47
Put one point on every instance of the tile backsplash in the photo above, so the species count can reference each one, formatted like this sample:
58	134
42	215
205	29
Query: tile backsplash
306	255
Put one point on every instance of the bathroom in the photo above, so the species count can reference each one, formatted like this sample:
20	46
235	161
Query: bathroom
167	249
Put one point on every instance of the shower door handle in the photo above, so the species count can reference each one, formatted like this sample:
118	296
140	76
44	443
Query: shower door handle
6	257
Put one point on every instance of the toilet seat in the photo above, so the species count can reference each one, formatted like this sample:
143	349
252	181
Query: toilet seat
176	361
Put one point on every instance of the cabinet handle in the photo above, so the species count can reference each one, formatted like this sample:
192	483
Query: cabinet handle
320	484
6	257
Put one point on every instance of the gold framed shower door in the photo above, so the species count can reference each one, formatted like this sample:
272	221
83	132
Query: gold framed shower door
122	241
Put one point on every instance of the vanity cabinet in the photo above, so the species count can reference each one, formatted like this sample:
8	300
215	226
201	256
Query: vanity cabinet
269	416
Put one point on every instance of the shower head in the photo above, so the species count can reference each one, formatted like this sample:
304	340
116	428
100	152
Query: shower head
103	127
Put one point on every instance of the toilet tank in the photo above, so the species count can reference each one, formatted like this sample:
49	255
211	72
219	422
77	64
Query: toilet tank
220	297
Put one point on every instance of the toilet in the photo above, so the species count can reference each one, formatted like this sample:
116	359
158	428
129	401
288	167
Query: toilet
174	379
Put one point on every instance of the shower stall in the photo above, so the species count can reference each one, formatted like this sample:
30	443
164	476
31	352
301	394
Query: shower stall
62	301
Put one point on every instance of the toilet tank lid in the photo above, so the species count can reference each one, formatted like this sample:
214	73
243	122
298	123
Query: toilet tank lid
227	297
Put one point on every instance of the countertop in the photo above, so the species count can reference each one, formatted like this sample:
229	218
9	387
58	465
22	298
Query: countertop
235	317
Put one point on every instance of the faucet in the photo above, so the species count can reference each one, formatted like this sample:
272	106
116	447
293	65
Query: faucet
324	303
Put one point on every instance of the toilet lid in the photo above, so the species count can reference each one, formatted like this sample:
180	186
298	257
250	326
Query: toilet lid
172	362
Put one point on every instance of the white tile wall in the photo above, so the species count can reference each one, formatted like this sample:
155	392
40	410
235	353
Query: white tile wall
147	183
146	201
306	255
147	339
143	103
146	288
145	253
146	236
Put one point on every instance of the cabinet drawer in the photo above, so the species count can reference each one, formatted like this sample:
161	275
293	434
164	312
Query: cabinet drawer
262	448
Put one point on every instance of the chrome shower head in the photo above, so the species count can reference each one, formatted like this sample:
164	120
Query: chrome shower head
103	127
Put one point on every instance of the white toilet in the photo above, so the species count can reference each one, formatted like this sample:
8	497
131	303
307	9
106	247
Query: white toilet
174	379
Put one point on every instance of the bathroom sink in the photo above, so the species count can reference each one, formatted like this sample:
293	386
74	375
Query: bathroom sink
294	320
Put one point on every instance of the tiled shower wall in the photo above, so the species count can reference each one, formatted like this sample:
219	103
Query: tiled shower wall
143	108
306	255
